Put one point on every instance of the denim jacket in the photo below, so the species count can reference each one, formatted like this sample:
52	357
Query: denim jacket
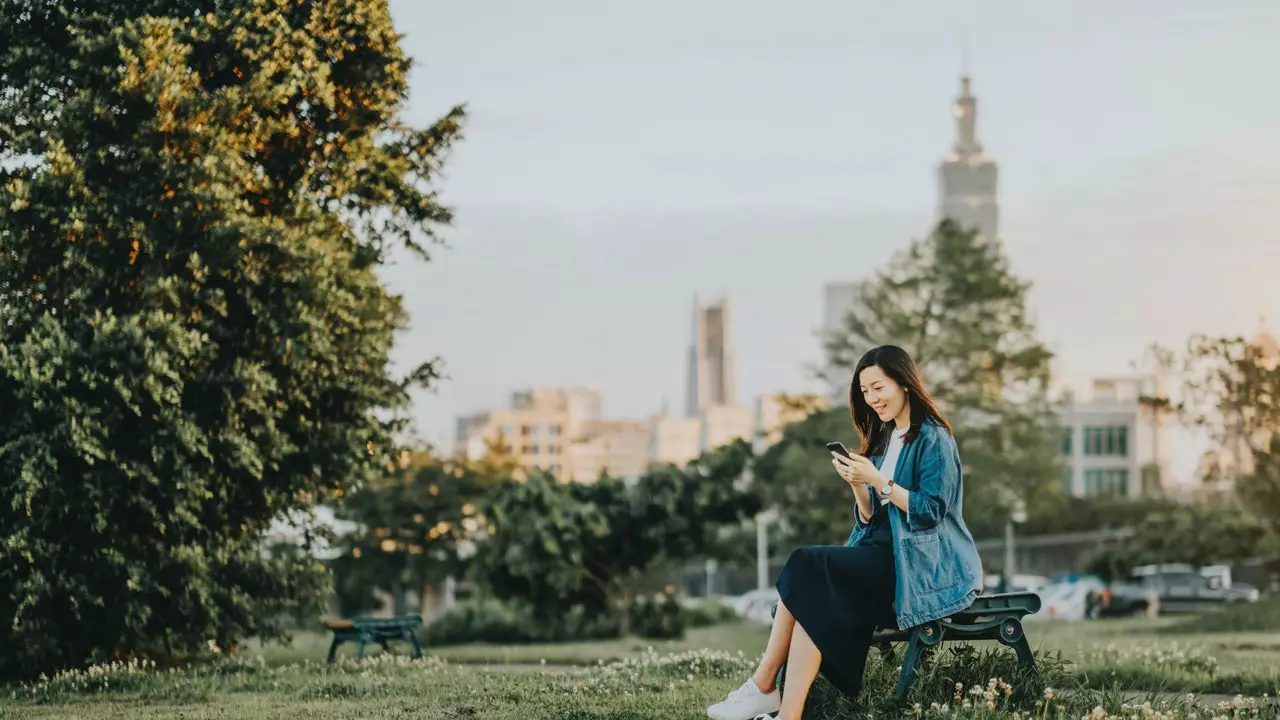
936	561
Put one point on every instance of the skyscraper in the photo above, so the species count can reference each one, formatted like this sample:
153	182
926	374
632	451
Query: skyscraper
967	177
711	380
837	298
966	194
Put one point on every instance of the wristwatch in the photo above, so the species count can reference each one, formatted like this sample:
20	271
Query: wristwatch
887	490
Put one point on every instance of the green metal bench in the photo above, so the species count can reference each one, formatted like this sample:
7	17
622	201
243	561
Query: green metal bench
365	630
990	617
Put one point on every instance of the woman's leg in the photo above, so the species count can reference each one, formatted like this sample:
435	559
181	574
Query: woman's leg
803	663
775	653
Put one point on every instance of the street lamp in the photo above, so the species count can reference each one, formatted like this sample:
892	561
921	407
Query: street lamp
762	546
1017	515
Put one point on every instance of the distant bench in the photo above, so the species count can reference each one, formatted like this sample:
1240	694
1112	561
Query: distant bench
990	617
365	630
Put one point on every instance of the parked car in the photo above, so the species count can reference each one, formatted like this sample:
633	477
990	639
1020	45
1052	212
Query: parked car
1167	589
755	605
1069	599
1220	576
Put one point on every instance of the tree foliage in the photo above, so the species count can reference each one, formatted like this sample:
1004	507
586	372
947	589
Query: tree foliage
1063	513
414	526
194	200
795	477
561	547
1186	534
953	303
1232	391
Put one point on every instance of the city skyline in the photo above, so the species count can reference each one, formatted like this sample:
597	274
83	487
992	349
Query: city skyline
761	155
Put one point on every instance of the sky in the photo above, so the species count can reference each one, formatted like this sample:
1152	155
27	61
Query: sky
621	158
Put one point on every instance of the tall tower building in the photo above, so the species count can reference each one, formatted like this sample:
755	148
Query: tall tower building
711	374
967	178
837	299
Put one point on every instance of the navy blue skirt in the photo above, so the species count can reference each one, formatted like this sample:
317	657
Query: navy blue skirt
840	595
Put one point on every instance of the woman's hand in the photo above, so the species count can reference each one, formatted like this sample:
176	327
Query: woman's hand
856	470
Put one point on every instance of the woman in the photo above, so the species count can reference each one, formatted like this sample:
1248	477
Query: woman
910	559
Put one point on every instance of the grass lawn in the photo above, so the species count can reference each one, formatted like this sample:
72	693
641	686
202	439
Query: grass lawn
1102	664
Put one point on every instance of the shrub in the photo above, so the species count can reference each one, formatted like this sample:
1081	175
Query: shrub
709	612
511	623
490	621
658	616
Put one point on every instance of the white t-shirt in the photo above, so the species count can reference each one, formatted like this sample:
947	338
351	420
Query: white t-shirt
891	454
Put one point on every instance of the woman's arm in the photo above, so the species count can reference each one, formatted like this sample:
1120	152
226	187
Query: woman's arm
937	477
862	497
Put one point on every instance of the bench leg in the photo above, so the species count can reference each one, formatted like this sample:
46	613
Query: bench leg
333	647
412	637
1013	635
360	650
385	646
1026	660
910	664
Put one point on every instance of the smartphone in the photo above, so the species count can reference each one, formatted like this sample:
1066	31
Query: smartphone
836	447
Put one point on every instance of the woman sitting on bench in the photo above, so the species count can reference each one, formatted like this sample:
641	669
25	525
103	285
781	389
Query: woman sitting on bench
909	560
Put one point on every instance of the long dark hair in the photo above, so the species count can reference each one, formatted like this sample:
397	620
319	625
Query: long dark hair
898	365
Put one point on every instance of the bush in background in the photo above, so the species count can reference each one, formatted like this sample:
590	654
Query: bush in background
660	616
513	623
709	612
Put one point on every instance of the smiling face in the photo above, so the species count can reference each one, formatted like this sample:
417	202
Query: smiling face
887	398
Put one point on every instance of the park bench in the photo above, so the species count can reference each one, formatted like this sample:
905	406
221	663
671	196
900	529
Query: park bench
990	617
365	630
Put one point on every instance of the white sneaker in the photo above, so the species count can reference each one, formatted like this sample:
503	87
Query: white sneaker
746	703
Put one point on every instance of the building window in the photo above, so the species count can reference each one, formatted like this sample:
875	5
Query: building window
1092	483
525	431
553	449
529	449
1109	441
554	469
1066	440
1120	482
553	430
1067	477
1111	482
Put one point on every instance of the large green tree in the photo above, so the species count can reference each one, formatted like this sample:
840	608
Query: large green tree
195	198
952	301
